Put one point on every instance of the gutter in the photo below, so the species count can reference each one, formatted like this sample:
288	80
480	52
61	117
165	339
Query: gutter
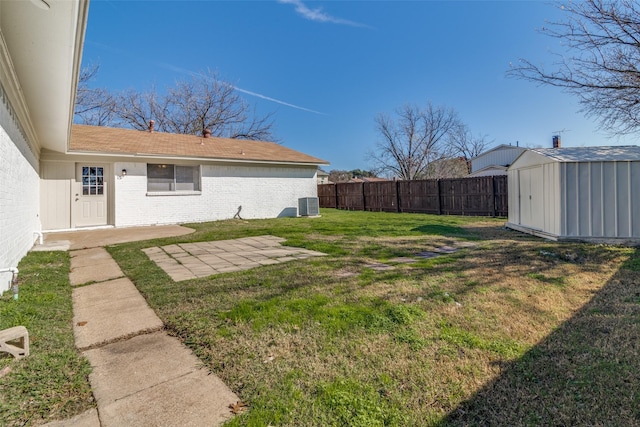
121	156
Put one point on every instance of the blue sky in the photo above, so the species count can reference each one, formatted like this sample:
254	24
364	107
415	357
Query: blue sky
327	68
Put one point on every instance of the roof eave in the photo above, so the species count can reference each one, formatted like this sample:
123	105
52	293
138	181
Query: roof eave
196	158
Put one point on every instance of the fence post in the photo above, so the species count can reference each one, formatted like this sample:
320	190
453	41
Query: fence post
493	196
335	195
398	197
364	199
438	197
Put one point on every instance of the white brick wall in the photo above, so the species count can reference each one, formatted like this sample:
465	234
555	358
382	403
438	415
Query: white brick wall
262	191
19	194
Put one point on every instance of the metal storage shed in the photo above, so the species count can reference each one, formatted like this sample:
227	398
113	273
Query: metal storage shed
577	193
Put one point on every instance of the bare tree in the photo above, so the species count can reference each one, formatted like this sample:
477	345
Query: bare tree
451	167
602	67
412	140
463	143
137	109
339	175
94	106
203	102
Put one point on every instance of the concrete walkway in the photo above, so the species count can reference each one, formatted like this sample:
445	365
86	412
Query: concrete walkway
141	376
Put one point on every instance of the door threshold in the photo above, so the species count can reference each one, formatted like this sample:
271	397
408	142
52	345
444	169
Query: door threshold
87	228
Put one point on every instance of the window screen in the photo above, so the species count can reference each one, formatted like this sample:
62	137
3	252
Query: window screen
164	177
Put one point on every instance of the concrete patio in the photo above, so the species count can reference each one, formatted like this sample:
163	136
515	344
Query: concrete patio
186	261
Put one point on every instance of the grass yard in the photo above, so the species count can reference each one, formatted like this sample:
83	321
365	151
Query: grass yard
52	383
512	331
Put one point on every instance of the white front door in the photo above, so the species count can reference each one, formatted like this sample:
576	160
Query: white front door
90	196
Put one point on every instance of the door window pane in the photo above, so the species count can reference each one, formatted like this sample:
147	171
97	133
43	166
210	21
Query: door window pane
92	180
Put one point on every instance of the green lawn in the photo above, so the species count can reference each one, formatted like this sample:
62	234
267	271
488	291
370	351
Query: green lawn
509	323
513	330
52	383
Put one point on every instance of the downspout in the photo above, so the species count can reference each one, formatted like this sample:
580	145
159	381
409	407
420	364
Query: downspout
14	279
40	237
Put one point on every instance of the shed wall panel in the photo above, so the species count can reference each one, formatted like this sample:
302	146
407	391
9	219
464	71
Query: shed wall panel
596	201
571	205
584	199
551	197
635	199
623	206
609	198
514	196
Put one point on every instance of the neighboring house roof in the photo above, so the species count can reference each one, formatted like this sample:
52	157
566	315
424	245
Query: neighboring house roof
322	173
502	155
591	154
498	148
490	170
105	140
367	179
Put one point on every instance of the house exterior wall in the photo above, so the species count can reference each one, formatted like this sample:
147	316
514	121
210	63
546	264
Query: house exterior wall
601	200
262	191
502	156
19	193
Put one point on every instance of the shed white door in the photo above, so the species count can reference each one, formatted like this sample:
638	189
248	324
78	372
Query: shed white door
531	202
90	196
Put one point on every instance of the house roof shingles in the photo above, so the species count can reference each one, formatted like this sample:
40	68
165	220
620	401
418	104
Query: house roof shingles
104	140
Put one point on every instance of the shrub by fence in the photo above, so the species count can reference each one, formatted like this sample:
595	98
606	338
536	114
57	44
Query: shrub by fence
480	196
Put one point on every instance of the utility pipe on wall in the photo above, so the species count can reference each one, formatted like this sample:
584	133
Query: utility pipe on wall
14	279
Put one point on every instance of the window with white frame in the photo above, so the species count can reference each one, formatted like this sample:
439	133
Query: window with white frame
166	177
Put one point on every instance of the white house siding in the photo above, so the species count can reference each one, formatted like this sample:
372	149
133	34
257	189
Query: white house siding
19	193
601	199
262	191
503	155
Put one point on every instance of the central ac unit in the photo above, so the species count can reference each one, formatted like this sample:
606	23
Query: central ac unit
308	206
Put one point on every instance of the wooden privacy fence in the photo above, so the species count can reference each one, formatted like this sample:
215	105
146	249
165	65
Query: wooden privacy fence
480	196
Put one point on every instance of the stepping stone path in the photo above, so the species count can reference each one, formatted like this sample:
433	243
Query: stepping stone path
424	255
186	261
445	250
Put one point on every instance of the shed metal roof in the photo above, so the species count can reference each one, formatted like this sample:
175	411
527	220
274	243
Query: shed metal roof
591	154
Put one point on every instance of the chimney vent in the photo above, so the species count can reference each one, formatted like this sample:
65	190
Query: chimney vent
556	141
151	123
206	133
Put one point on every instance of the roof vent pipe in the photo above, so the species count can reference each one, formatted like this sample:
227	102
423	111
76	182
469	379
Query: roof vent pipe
206	133
556	141
151	123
